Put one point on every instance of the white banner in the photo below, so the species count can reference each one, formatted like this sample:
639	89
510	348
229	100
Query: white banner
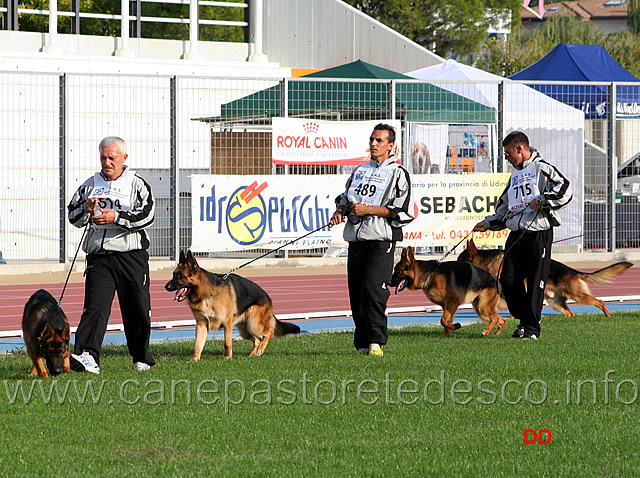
232	213
449	205
310	141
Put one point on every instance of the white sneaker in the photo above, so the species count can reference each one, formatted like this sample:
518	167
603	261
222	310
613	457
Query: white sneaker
84	363
141	366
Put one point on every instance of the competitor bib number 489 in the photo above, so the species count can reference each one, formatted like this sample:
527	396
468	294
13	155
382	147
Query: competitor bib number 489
369	184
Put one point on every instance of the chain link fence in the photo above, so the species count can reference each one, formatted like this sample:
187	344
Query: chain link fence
179	126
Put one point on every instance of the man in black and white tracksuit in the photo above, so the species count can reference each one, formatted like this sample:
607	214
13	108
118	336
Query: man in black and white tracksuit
528	205
376	204
118	205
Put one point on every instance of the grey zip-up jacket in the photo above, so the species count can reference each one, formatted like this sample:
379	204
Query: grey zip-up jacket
127	232
555	192
396	197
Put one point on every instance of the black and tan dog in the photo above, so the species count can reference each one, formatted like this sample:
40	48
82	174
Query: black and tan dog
564	283
220	303
46	334
451	284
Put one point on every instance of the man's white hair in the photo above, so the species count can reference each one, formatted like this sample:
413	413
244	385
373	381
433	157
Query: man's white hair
109	140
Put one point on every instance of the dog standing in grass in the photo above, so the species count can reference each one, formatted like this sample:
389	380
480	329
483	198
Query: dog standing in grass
220	303
46	334
564	283
451	284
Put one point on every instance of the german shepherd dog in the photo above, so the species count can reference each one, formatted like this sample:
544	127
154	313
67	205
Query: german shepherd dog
564	282
220	303
451	284
46	334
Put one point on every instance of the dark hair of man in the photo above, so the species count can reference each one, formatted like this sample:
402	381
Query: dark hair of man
516	138
386	127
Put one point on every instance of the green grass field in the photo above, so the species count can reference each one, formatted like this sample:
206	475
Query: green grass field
312	407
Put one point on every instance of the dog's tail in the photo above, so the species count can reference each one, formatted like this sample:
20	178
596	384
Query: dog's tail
285	328
606	274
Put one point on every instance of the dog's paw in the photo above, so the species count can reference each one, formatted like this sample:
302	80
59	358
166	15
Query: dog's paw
456	326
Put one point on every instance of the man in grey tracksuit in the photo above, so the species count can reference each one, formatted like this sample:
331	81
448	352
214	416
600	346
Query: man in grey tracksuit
376	204
118	205
528	205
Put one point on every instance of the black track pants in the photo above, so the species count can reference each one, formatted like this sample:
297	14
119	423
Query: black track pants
126	273
530	259
369	269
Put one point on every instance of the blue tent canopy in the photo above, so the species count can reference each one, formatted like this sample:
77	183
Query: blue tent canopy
568	62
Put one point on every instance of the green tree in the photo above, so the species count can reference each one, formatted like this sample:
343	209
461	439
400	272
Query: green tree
624	47
159	30
447	27
522	48
633	16
565	29
506	56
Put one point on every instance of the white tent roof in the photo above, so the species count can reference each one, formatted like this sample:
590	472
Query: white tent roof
525	107
556	129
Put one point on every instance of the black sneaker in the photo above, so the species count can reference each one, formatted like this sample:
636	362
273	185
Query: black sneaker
518	333
523	334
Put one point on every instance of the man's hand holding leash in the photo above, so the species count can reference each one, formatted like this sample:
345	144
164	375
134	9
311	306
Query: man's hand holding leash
105	216
536	205
338	216
480	227
358	210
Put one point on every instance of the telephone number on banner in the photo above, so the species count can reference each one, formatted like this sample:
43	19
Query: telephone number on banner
467	233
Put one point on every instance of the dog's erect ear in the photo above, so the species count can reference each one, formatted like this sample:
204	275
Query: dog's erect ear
407	254
47	332
473	250
66	333
191	261
183	258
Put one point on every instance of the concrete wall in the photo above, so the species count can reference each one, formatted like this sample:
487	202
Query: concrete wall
327	33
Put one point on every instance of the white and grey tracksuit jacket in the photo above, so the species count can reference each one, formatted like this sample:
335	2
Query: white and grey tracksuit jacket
133	213
396	197
555	192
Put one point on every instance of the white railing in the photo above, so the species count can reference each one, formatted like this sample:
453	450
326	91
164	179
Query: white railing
9	15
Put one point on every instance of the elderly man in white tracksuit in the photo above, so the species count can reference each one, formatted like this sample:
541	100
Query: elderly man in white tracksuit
528	207
118	205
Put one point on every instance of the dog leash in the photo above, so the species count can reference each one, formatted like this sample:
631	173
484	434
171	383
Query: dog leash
585	234
454	247
72	264
328	225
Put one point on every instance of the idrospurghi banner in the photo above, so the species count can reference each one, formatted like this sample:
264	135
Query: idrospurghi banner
231	213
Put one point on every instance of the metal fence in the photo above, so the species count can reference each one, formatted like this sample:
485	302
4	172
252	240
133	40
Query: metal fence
178	126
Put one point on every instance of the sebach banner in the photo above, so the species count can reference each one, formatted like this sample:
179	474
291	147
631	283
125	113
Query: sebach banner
232	213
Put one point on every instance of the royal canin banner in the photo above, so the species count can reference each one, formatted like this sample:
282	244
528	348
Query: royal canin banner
309	141
232	213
